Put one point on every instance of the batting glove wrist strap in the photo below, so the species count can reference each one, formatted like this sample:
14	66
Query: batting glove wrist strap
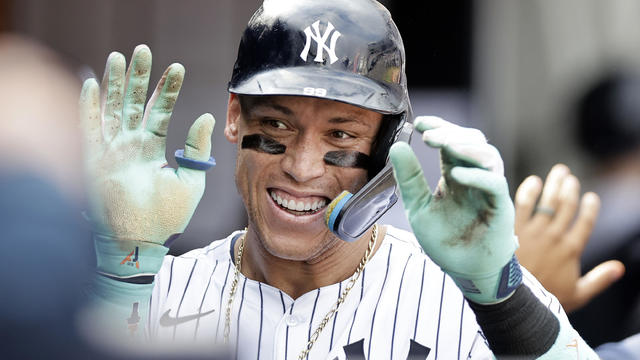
127	258
490	288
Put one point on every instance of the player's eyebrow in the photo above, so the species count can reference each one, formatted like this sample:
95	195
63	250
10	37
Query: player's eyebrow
346	120
283	109
256	105
259	104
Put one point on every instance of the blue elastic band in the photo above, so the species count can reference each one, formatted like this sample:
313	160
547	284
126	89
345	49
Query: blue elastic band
336	211
193	164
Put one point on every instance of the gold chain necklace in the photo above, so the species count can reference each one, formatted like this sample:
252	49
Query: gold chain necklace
330	314
234	287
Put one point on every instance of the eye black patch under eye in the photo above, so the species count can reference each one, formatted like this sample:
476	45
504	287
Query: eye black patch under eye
263	144
347	158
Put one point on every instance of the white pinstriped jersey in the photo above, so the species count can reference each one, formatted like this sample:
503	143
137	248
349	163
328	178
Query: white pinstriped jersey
402	305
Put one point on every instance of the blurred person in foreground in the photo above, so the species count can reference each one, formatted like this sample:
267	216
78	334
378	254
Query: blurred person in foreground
46	266
46	257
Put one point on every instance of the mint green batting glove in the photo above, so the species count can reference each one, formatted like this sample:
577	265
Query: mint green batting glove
467	225
134	195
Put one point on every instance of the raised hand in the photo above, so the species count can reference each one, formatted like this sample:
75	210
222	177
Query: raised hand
552	238
466	225
134	195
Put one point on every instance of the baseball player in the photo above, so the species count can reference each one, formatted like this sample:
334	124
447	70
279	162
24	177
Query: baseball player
318	105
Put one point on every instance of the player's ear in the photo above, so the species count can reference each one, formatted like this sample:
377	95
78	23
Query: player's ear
234	113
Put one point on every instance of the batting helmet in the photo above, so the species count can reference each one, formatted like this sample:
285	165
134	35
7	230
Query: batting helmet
343	50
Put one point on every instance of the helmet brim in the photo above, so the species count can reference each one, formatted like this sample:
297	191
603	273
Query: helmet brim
321	82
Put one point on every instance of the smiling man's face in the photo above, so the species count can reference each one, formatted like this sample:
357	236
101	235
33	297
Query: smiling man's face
281	171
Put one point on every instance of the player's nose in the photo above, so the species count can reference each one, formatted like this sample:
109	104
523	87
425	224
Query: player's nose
304	160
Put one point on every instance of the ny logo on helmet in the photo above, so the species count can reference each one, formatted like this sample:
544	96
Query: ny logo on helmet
321	41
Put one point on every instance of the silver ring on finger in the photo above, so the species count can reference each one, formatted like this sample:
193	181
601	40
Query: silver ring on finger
545	210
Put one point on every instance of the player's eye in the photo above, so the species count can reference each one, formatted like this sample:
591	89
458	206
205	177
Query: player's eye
339	134
277	124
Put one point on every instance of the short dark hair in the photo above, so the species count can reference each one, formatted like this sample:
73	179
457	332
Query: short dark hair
608	116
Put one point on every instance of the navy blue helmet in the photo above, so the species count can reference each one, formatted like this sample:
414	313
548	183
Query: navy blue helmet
343	50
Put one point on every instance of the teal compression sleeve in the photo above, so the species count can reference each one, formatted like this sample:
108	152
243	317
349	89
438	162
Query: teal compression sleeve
119	310
569	344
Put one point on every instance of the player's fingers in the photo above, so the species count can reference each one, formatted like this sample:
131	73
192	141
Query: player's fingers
160	107
567	205
525	200
587	215
411	182
550	194
481	155
596	281
89	110
198	144
447	135
112	94
481	179
136	87
423	123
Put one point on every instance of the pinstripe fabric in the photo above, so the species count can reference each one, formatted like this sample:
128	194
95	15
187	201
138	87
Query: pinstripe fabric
401	297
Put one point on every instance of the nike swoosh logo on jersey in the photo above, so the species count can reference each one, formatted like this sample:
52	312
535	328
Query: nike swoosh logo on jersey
167	320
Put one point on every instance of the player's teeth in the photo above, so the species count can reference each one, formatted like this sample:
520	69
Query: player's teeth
297	205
